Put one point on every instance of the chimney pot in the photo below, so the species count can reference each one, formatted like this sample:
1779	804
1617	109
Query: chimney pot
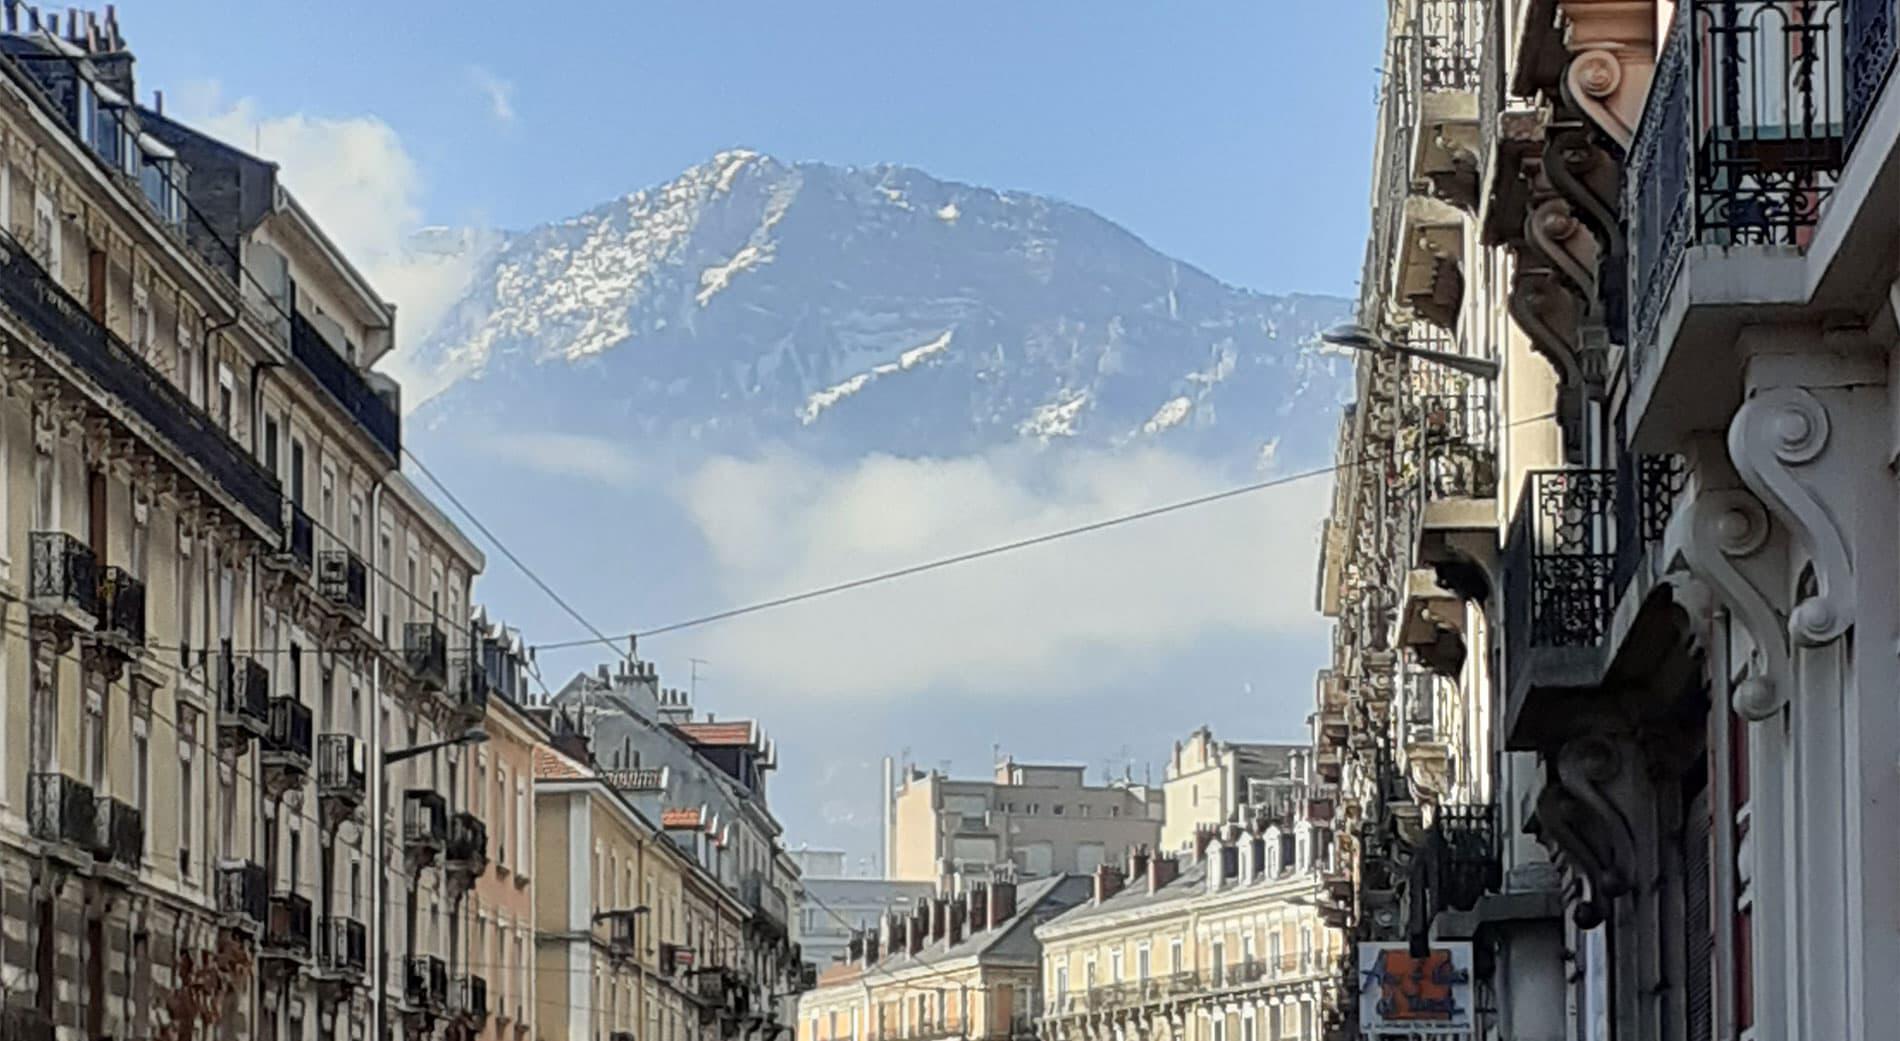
979	902
1002	902
1108	882
1163	869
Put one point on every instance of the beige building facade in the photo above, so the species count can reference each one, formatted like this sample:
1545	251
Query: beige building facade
1208	780
1042	820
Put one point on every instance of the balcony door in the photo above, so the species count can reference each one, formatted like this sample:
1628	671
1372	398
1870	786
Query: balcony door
96	514
296	472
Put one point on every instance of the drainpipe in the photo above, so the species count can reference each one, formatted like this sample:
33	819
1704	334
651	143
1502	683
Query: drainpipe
378	778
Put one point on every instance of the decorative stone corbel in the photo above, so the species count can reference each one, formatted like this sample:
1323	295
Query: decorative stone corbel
1724	539
1613	58
1579	812
1775	435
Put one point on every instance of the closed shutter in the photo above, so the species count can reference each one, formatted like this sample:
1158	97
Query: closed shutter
1699	948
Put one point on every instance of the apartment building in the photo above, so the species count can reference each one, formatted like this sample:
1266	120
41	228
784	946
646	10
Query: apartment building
1225	941
202	461
1207	781
496	991
963	966
1595	704
1043	820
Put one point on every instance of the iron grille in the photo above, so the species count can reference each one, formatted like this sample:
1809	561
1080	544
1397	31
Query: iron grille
62	809
64	572
426	651
343	580
122	605
301	542
425	818
340	769
290	731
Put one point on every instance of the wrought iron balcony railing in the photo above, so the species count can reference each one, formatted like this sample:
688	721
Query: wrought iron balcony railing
1740	143
244	892
349	387
467	848
65	574
62	809
1557	560
468	680
471	998
343	579
1458	431
122	606
287	933
1868	54
22	1023
120	831
243	699
1646	490
1449	34
425	819
300	536
341	770
426	652
767	904
287	742
71	339
343	946
425	982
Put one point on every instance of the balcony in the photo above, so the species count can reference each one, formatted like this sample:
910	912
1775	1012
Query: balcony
468	683
425	983
121	611
243	700
1328	762
1740	145
285	749
471	1000
1646	491
342	775
119	382
1458	474
299	550
287	930
1454	865
373	413
21	1023
426	653
244	894
1446	57
622	941
343	581
62	812
342	949
425	823
1558	595
769	910
467	852
65	579
120	831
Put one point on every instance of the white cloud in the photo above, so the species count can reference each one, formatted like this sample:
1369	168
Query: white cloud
1060	616
499	92
567	455
362	186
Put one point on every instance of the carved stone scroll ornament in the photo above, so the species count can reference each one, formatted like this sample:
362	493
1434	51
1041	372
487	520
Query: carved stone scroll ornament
1579	817
1725	542
1775	438
1613	48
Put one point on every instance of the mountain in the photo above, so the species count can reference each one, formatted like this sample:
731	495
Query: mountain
850	310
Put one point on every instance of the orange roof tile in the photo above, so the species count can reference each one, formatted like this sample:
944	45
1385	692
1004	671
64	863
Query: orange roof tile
550	765
679	818
738	732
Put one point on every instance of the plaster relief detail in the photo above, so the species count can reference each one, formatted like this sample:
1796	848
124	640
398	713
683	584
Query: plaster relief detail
1776	435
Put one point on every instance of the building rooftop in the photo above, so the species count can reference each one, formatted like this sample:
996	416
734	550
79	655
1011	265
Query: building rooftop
734	732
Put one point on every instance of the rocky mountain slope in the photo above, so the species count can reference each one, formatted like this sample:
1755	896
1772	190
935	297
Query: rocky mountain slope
850	310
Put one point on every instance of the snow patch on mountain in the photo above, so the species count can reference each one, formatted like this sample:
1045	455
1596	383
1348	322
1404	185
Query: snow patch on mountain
948	213
910	359
1168	415
1055	419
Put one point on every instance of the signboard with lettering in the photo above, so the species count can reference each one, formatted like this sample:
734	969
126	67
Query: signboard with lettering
1402	993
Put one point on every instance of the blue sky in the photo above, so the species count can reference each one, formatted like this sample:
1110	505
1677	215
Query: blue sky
1233	135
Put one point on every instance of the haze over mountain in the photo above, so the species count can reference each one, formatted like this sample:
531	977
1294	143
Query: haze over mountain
764	376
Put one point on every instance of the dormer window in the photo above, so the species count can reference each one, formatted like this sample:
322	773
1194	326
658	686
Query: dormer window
87	118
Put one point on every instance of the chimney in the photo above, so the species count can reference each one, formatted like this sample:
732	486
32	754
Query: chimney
958	913
1002	902
870	949
979	900
939	918
1163	869
570	742
854	947
894	924
1247	864
1203	834
1259	845
1137	862
918	931
1108	882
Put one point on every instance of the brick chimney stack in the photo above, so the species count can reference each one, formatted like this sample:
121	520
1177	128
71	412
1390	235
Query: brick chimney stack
979	900
918	931
854	948
958	914
1108	882
939	918
1002	902
1163	869
1137	863
870	949
1203	835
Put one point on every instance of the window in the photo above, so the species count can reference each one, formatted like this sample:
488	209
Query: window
187	790
188	363
501	814
43	717
1141	963
92	740
1114	811
1115	965
227	396
141	321
1174	957
1219	959
296	857
142	763
1247	947
1085	810
327	492
356	522
270	445
1247	1028
1057	809
1273	951
296	472
46	234
1306	947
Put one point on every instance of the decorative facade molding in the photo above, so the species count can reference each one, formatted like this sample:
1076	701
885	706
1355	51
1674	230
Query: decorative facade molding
1775	434
1726	542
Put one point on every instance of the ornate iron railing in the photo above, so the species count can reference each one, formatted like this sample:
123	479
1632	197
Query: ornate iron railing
1448	51
1868	53
1740	143
425	818
118	372
1558	560
468	679
62	809
341	771
121	834
426	652
468	840
343	946
122	605
346	385
288	933
291	730
343	580
64	572
300	543
244	891
1646	490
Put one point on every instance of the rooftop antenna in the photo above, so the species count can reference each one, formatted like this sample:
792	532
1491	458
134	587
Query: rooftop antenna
693	689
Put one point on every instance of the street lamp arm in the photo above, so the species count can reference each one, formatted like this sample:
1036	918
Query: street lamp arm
1358	338
397	755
